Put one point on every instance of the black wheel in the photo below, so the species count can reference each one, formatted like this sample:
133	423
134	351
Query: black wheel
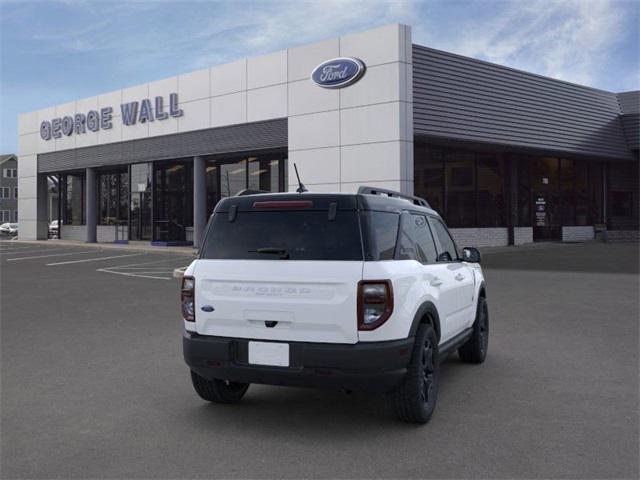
475	349
218	391
415	400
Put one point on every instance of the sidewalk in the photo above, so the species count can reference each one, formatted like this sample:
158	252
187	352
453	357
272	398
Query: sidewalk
131	246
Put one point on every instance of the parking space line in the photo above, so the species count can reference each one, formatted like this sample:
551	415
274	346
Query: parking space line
150	270
92	259
128	274
51	255
39	250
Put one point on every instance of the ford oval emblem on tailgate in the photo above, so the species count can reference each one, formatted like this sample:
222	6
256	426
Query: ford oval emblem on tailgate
207	308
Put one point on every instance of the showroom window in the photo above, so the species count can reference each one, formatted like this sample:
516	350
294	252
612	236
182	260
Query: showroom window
73	199
466	188
226	176
113	198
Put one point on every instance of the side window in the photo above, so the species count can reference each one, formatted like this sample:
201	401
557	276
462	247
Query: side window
446	248
416	242
382	228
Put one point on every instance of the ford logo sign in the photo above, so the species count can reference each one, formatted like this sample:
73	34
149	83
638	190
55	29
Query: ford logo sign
338	73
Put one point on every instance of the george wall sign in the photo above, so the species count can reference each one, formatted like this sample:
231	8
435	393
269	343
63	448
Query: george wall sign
95	120
339	72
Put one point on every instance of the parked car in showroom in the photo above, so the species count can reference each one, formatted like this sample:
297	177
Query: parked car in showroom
54	229
363	291
9	229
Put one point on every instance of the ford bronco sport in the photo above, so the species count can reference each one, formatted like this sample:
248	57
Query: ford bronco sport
363	291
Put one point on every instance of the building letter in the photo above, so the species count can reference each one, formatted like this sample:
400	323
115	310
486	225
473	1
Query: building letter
129	112
93	121
174	111
105	118
56	123
160	113
80	123
146	114
45	130
67	125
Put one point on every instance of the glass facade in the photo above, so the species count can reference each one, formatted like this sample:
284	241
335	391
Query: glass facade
226	176
113	197
73	200
466	188
482	189
154	201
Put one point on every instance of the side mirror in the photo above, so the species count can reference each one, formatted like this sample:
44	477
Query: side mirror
196	252
471	255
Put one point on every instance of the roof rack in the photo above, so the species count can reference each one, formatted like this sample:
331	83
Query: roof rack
248	191
392	193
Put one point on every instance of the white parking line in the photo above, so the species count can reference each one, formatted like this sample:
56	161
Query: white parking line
92	259
144	270
52	255
38	250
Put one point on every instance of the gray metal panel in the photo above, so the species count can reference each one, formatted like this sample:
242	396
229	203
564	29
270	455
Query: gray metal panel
235	138
460	98
631	127
629	101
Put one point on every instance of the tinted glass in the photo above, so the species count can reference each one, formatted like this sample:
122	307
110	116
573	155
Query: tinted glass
491	199
461	189
446	242
415	240
276	235
382	232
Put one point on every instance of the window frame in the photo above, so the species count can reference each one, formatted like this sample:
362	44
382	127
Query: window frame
403	215
439	248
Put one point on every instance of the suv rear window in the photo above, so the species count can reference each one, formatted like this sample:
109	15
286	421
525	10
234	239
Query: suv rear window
290	235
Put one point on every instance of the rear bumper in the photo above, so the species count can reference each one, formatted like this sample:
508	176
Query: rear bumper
374	366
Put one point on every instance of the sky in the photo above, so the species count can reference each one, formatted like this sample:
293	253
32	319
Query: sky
55	51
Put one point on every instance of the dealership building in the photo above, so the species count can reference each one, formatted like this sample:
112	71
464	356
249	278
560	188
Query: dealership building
506	156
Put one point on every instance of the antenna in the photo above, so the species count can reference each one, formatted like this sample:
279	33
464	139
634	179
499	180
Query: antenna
301	188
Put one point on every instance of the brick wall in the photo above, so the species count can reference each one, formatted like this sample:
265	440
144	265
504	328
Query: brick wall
615	236
480	237
577	234
522	235
74	232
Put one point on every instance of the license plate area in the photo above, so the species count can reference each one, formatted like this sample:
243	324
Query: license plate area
269	353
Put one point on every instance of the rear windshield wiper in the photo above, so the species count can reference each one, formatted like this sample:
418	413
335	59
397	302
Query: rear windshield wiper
283	252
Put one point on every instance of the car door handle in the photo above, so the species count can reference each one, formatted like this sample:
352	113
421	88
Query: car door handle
459	277
436	282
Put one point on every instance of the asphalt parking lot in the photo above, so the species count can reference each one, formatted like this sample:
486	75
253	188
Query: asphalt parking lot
94	386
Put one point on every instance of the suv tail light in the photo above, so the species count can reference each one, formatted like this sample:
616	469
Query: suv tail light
375	303
188	296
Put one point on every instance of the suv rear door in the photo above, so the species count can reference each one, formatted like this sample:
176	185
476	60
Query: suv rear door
457	275
283	270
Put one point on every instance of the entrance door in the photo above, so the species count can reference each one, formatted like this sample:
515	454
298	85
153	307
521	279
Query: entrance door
546	200
140	219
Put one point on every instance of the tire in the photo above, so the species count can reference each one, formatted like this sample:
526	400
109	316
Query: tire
218	391
475	349
415	400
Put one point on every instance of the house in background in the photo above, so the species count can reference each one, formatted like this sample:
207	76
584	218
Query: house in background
9	188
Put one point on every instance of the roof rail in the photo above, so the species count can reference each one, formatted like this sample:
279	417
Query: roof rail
392	193
248	191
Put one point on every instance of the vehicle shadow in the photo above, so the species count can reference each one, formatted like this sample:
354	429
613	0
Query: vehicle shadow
283	411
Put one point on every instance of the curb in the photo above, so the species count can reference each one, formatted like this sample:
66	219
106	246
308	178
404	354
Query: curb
179	272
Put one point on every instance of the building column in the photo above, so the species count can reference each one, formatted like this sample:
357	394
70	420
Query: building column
512	198
199	200
91	207
42	216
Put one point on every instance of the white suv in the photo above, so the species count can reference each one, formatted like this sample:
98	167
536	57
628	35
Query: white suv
361	291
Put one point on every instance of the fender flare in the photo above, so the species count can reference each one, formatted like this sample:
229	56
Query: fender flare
482	291
424	309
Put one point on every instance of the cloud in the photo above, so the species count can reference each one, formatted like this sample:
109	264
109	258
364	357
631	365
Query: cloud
569	40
